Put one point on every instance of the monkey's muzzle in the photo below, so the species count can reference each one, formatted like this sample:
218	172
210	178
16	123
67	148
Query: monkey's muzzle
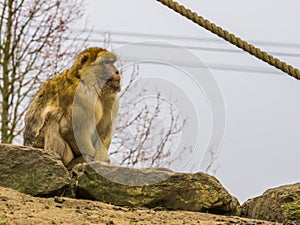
114	81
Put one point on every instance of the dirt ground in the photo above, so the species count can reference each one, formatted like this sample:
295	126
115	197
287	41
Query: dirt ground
17	208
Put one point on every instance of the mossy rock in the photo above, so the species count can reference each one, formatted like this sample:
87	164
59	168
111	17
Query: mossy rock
281	204
32	171
153	188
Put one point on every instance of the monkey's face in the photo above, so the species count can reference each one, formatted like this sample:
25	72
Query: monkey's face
110	77
97	68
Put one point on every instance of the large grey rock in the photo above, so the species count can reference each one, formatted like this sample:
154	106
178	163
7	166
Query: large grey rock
32	171
41	173
280	204
153	188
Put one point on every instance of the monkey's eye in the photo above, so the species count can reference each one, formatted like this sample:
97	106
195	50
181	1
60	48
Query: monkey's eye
84	59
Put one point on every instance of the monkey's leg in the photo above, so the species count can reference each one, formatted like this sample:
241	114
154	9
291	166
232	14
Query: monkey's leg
55	142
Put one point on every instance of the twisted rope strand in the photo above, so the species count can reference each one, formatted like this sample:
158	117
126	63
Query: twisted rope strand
262	55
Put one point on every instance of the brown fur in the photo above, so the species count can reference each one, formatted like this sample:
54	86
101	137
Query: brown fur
73	113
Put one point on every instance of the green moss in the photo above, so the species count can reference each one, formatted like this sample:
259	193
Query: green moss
292	209
133	221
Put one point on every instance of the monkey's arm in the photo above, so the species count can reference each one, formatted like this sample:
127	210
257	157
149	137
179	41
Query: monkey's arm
101	151
105	129
102	142
83	120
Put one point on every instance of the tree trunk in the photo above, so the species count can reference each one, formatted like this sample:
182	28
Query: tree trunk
5	135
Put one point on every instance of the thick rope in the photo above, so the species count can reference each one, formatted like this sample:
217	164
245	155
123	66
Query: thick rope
294	72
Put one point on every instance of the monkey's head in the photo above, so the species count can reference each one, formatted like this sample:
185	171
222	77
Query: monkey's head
95	66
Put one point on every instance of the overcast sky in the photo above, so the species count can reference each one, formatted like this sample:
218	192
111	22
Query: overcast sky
261	143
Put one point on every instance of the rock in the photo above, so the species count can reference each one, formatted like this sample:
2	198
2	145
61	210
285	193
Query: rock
281	204
41	173
32	171
153	188
59	199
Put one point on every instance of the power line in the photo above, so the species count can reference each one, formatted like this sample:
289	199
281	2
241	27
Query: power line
213	66
188	38
196	48
211	49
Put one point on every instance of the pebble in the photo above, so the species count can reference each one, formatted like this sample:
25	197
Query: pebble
59	199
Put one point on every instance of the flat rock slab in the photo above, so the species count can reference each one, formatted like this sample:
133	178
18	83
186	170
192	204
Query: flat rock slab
32	171
280	204
153	188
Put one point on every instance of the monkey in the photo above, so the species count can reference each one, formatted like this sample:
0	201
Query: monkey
74	112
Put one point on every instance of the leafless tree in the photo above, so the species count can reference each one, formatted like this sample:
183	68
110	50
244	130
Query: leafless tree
35	43
211	167
140	139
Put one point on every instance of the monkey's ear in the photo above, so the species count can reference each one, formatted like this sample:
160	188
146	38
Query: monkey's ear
84	59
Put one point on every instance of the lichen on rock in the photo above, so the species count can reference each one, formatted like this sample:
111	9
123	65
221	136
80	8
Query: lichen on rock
178	191
32	171
281	204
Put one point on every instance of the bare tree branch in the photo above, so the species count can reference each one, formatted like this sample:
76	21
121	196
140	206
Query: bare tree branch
138	140
33	47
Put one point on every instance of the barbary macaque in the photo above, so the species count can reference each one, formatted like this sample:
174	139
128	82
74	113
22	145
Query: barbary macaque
74	112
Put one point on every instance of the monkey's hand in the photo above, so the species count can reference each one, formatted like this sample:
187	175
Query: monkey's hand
101	152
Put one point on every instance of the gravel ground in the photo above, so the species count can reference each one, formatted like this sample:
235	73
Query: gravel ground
17	208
